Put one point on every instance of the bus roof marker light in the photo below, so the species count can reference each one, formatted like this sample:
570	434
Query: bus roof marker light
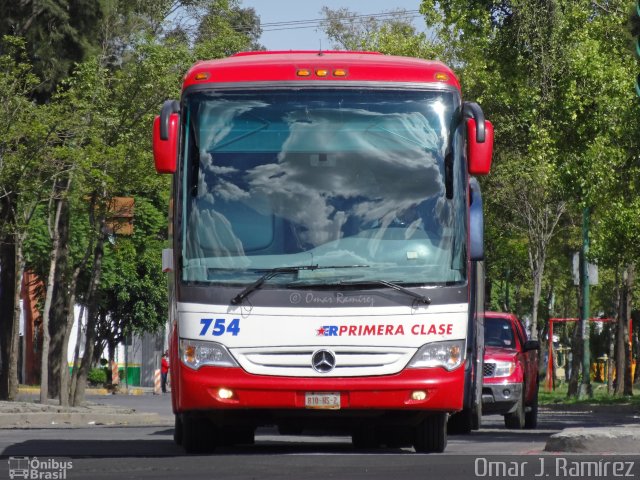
303	72
201	76
442	77
322	72
339	72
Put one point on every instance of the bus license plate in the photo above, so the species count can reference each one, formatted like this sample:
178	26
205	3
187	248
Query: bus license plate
325	400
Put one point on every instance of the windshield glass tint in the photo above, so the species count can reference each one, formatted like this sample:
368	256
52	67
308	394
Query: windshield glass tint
336	178
498	333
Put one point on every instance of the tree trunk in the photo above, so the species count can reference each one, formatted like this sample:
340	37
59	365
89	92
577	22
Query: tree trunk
610	363
58	330
59	327
629	281
14	349
622	332
537	292
576	362
7	286
46	337
85	364
67	383
76	356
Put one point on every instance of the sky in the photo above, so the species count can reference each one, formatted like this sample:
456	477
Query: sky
283	37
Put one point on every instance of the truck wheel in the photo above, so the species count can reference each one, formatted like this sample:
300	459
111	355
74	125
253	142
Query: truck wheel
430	435
198	434
177	429
515	420
531	417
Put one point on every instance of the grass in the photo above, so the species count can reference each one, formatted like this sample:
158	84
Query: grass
600	396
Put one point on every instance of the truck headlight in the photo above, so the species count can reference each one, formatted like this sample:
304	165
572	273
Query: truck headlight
195	354
449	355
504	369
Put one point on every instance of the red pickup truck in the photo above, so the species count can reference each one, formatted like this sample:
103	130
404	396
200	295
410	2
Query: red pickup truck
510	380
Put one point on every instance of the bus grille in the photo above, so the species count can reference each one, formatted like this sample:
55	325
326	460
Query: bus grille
297	361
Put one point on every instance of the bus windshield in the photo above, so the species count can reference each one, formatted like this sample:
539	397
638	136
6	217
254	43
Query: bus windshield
368	181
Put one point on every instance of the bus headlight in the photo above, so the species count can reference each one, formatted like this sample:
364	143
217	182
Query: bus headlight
195	354
448	354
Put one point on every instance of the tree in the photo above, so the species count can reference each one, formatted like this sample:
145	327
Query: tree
124	101
393	35
546	74
23	179
57	33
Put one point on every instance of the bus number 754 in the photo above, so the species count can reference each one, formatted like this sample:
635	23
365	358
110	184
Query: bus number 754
220	326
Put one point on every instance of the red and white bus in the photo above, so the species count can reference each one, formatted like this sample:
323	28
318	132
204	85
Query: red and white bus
326	261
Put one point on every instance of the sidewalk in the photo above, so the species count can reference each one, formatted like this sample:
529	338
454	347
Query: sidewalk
25	389
620	439
30	414
624	439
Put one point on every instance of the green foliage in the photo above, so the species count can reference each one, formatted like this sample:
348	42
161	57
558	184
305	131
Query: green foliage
57	33
97	376
600	397
394	35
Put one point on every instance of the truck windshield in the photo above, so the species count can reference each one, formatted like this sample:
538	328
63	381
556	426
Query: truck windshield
328	177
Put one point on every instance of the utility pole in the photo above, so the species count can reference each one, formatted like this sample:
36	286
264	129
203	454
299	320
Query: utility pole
585	386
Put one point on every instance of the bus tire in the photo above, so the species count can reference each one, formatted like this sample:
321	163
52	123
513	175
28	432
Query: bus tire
365	438
460	423
198	434
430	435
177	429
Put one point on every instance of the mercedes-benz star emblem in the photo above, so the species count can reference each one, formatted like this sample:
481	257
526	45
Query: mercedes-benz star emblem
323	361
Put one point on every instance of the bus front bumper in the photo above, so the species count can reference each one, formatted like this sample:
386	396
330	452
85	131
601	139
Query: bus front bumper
420	389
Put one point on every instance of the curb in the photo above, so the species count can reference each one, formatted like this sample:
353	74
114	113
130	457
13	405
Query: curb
26	389
81	419
620	440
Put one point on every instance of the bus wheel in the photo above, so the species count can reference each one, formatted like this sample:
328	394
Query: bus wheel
461	423
365	438
430	435
239	436
177	429
198	434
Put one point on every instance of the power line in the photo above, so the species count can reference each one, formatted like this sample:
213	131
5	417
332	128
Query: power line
319	22
317	25
405	13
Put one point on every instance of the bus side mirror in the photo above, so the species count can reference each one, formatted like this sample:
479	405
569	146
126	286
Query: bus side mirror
479	139
165	137
479	153
476	221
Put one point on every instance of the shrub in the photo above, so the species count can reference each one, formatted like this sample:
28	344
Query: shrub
97	376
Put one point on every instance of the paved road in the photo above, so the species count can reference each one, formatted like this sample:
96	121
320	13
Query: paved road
149	452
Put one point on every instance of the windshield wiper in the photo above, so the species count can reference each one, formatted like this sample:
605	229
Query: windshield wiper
420	298
278	271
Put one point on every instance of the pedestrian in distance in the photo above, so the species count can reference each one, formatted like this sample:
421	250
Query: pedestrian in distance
164	371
